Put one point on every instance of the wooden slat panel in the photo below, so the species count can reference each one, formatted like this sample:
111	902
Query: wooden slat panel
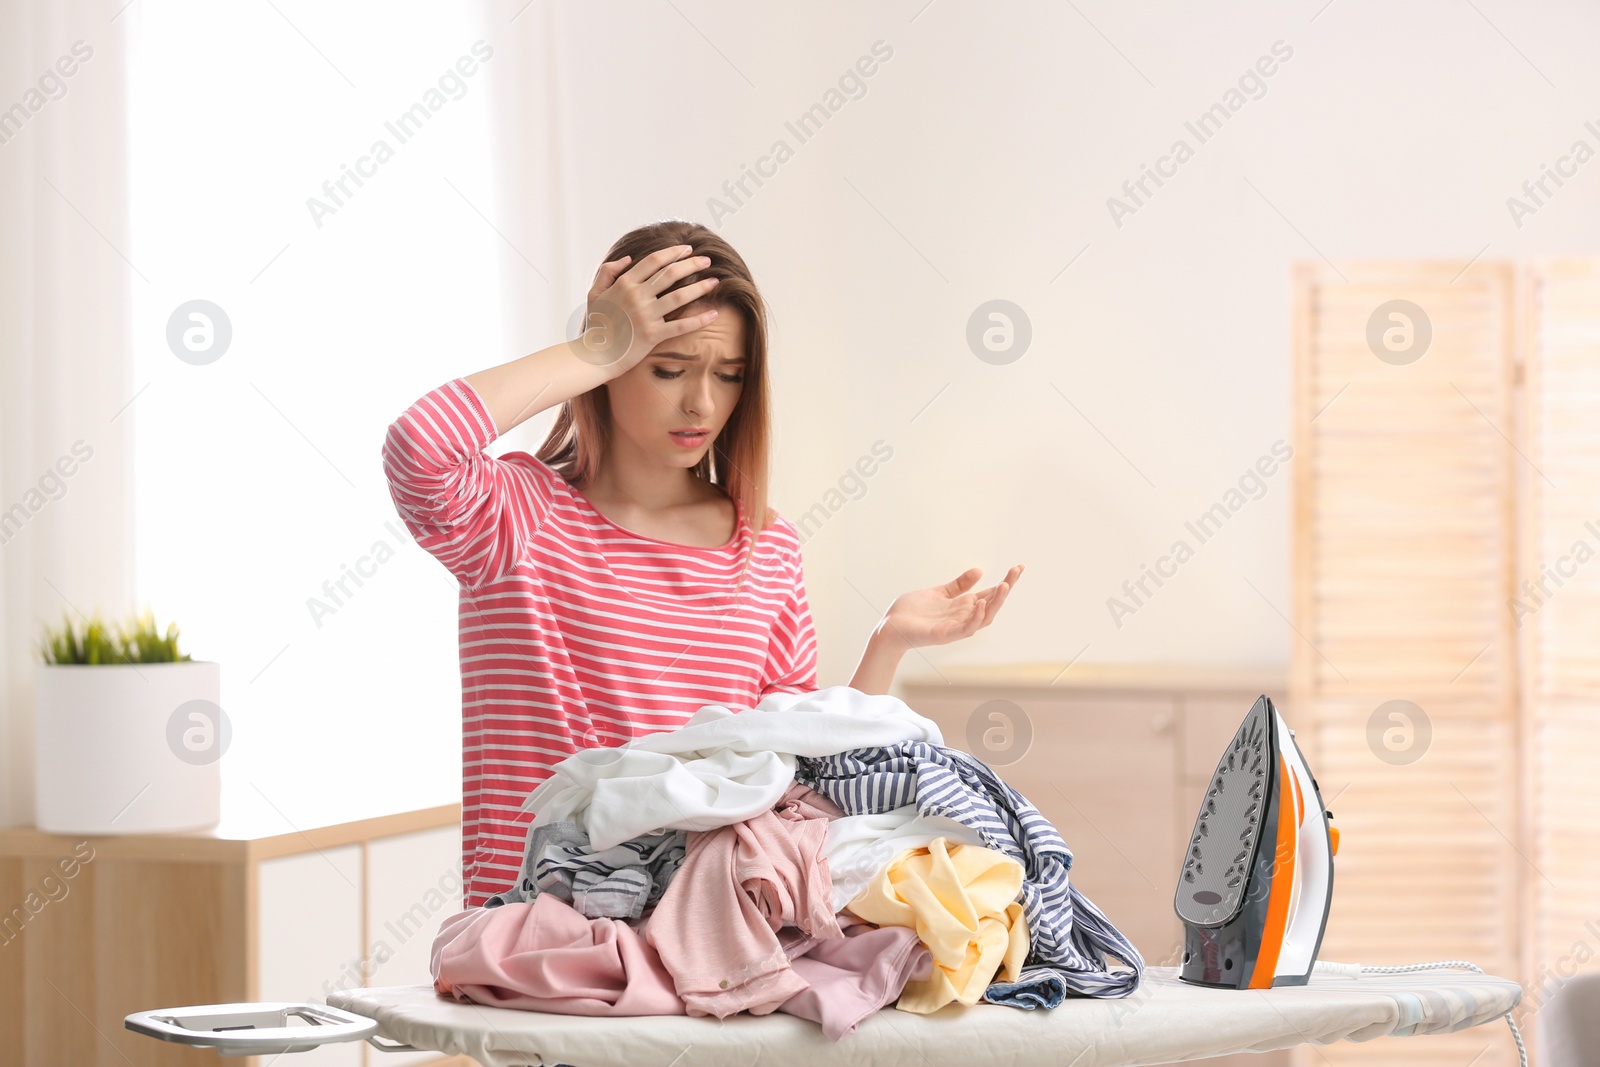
1558	608
1403	553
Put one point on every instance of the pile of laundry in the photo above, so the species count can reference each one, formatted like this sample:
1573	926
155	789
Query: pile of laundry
821	854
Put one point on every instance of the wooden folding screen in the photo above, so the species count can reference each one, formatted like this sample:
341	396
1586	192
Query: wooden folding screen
1403	667
1556	606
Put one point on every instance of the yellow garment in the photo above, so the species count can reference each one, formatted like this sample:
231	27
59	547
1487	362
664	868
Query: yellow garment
962	901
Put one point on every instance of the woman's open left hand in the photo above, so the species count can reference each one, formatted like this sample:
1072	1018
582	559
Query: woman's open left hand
945	613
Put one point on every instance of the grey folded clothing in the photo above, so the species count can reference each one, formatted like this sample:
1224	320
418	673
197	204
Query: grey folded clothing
619	882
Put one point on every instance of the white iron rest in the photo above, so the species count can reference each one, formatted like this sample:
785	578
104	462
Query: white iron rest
257	1028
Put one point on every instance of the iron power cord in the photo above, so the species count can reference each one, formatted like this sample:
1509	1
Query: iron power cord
1356	970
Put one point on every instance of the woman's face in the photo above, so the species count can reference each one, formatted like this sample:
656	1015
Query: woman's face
690	382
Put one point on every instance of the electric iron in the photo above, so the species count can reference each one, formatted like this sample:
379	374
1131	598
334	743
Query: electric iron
1257	879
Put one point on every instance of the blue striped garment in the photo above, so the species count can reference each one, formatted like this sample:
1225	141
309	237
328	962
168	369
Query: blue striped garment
1070	937
619	882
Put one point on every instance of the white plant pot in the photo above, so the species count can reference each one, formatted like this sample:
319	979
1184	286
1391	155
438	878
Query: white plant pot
116	756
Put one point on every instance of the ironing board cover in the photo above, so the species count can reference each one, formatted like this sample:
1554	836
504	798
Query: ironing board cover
1164	1021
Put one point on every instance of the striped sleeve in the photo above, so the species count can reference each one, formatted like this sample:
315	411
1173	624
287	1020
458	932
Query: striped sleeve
792	652
475	513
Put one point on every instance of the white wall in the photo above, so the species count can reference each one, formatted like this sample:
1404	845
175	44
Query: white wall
976	166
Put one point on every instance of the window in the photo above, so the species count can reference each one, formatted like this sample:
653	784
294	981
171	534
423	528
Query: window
264	525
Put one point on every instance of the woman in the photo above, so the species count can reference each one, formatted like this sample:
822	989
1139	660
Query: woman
630	572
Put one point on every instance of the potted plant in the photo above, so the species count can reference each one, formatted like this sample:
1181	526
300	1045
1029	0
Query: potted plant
127	731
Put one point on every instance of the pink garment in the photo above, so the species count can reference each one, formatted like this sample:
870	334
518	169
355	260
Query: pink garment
851	977
716	925
544	956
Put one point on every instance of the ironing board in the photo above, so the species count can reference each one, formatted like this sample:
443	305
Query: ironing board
1166	1020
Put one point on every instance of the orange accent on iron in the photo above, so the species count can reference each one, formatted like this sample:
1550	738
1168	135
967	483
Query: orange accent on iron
1277	921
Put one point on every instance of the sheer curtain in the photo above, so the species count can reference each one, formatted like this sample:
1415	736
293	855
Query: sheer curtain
68	272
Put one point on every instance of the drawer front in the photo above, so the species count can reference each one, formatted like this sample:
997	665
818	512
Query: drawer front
413	885
309	931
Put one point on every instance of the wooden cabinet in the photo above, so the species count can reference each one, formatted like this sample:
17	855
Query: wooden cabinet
98	927
1117	757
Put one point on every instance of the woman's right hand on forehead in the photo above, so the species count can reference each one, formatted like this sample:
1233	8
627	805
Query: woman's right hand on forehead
627	313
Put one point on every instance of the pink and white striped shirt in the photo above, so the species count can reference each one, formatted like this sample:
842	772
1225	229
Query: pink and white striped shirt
574	631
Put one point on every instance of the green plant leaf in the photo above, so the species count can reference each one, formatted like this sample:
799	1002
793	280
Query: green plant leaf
135	640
